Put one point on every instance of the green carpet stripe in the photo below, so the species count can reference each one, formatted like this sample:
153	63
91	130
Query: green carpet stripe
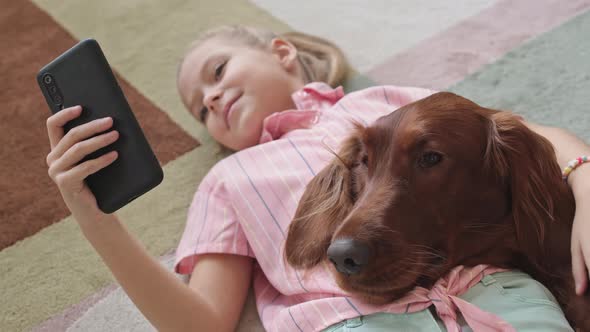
547	79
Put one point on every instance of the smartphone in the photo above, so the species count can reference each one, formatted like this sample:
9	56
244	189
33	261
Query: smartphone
82	76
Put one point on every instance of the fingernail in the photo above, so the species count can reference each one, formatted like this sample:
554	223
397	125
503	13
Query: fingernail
105	120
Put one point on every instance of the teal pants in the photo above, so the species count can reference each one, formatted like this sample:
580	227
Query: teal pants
513	296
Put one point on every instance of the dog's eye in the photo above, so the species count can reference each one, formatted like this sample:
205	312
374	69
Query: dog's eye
364	161
429	159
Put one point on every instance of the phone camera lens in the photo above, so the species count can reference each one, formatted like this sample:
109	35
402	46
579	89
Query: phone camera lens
47	79
57	99
53	89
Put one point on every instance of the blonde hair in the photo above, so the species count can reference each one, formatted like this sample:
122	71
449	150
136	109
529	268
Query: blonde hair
320	59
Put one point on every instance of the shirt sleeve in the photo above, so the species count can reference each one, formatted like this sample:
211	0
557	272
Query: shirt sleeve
211	227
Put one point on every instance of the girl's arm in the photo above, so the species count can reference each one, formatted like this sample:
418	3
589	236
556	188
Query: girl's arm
567	147
219	284
212	301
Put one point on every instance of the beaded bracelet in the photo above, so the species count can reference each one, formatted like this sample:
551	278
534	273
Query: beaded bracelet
573	164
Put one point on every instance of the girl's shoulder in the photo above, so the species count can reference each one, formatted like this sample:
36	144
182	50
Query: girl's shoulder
214	178
234	169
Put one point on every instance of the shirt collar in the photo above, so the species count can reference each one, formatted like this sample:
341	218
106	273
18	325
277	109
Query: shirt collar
310	101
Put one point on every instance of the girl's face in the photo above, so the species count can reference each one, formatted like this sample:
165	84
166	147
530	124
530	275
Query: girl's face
232	88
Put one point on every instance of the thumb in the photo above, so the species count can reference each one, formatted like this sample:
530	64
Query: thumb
579	268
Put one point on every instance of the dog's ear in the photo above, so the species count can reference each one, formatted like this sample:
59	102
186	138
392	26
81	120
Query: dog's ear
325	203
527	163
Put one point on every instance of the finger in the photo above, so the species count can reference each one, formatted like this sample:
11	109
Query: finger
56	122
77	174
579	268
586	256
81	149
78	134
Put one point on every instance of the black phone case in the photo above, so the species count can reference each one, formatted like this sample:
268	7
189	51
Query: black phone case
82	76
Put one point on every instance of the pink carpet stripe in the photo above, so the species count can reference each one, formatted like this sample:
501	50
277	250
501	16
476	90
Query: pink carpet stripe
65	319
448	57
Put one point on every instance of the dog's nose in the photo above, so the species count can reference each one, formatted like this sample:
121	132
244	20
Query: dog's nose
349	256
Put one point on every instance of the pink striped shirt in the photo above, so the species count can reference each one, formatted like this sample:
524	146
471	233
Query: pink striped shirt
245	204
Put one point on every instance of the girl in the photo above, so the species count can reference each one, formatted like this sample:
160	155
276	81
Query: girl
259	94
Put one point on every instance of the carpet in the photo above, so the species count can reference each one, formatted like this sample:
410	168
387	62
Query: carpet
528	56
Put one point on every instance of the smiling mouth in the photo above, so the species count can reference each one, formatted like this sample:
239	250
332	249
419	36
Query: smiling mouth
228	108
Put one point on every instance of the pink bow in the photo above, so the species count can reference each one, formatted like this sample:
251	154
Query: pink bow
444	297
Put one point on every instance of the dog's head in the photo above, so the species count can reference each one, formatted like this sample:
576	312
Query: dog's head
438	183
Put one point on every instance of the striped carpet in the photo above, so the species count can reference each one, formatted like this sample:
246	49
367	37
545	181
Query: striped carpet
529	56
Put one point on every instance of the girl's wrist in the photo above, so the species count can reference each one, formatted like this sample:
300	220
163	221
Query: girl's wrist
94	223
579	180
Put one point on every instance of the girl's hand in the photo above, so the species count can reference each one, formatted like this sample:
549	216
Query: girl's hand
580	245
68	150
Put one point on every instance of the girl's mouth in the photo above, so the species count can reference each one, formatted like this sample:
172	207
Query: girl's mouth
228	110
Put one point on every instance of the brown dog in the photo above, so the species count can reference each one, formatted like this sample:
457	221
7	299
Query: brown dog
439	183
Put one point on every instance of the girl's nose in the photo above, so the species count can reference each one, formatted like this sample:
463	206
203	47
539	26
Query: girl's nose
348	255
212	100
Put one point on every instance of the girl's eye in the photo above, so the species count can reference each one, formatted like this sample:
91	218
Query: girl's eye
218	72
203	114
219	69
